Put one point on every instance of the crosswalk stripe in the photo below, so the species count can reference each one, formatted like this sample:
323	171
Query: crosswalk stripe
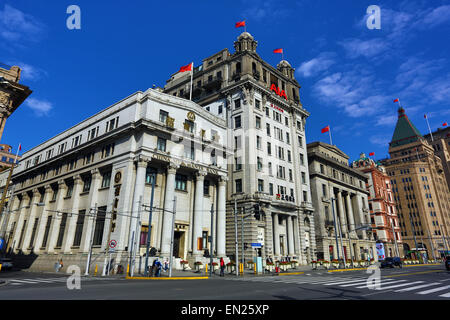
434	290
38	280
447	295
418	287
22	281
385	281
399	285
360	283
343	282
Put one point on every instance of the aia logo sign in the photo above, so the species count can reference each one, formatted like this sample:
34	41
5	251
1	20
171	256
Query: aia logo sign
281	93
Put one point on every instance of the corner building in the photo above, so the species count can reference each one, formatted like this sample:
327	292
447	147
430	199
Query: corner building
92	183
420	190
266	131
340	198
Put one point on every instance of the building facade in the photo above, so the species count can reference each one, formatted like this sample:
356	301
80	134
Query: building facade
7	157
93	183
440	141
384	220
420	190
12	94
268	171
342	220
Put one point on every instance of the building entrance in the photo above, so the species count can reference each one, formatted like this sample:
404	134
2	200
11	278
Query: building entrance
178	244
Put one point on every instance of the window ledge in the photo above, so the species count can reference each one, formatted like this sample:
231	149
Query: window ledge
179	190
84	193
103	188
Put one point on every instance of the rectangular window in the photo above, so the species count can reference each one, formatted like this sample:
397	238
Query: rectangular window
257	104
258	142
144	235
237	122
260	185
238	163
289	156
99	226
324	190
150	174
267	112
260	165
55	194
237	104
220	109
271	189
302	159
163	116
206	187
269	148
87	184
79	228
47	230
238	183
270	168
62	229
181	182
288	139
300	141
305	196
237	143
290	174
258	122
268	129
161	144
189	152
69	191
106	181
33	233
303	177
189	126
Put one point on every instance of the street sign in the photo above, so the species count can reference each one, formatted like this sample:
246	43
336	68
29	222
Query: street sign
112	244
2	242
256	245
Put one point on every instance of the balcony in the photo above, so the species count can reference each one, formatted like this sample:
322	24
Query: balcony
307	206
213	83
256	75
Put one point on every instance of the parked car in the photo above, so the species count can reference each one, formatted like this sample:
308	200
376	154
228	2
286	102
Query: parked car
6	263
447	262
391	262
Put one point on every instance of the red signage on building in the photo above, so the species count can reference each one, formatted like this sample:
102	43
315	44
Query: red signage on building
276	108
277	91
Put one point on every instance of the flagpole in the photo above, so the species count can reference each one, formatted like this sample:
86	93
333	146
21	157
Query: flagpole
192	75
245	27
331	141
426	118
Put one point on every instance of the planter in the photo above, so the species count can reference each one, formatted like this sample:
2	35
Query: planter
231	268
198	266
326	265
270	267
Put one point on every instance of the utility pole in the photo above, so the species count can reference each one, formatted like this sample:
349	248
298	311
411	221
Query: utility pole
236	238
242	237
395	240
107	245
211	251
135	243
149	224
171	235
414	233
91	240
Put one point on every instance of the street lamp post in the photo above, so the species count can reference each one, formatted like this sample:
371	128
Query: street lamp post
335	231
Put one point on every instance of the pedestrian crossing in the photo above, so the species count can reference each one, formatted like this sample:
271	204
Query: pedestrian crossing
36	281
396	285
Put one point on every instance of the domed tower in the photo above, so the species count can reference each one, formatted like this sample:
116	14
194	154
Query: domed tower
286	69
245	42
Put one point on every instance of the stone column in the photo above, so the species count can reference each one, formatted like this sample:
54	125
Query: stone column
54	230
290	234
72	221
168	208
29	230
350	215
43	220
20	220
361	215
198	211
139	187
296	236
276	231
220	242
90	215
340	206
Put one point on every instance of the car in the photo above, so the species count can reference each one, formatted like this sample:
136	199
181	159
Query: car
391	262
447	262
6	264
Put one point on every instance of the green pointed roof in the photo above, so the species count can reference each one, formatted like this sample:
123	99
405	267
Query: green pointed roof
405	132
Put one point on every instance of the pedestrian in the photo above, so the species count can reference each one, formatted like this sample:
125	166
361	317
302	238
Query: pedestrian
166	265
153	268
222	267
60	264
158	268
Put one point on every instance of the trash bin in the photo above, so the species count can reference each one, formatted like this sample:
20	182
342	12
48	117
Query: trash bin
277	269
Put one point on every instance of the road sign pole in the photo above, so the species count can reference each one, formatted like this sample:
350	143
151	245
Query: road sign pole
171	236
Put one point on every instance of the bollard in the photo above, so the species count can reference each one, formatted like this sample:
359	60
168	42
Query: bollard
0	267
95	272
206	269
128	269
254	267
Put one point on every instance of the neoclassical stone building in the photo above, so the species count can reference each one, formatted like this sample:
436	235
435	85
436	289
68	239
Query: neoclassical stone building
340	198
93	183
266	130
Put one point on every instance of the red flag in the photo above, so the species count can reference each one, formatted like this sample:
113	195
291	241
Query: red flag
20	146
371	154
396	100
445	124
240	24
278	50
186	68
326	129
425	116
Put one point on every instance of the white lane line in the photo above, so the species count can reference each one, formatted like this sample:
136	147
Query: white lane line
385	281
22	281
38	280
343	282
447	295
365	282
433	290
419	287
399	285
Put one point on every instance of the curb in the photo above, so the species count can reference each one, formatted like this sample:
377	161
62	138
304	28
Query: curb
290	273
343	270
422	265
166	278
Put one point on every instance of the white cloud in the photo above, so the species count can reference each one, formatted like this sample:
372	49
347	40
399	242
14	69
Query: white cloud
382	141
259	10
316	65
16	26
386	120
367	48
436	17
40	107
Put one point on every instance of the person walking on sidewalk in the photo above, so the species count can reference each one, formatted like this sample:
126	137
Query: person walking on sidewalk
222	267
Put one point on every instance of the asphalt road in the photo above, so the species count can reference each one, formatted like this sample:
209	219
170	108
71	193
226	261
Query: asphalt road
412	283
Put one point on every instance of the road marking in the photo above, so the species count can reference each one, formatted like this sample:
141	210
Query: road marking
434	290
22	281
380	283
346	281
419	287
399	285
37	280
365	282
447	295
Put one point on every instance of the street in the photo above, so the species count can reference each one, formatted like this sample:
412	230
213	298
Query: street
408	283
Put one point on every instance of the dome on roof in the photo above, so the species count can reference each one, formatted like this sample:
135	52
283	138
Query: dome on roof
284	63
245	35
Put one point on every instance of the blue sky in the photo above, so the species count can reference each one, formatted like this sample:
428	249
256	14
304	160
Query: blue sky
348	73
